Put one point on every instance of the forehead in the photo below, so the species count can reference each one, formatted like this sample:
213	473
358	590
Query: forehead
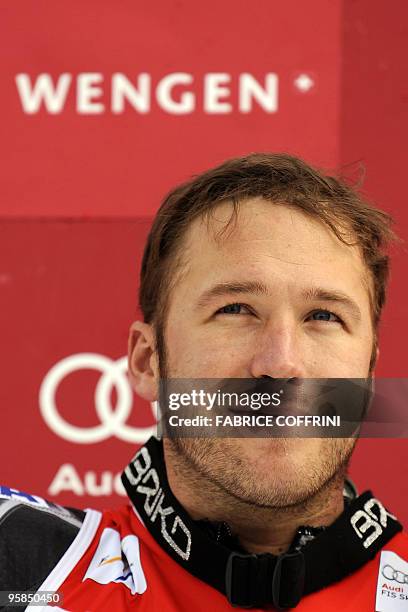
276	244
264	229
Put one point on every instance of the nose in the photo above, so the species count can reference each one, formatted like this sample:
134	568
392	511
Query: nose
278	353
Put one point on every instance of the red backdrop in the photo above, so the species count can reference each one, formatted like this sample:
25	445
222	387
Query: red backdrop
106	106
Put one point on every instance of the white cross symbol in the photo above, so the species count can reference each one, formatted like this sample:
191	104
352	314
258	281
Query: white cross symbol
303	83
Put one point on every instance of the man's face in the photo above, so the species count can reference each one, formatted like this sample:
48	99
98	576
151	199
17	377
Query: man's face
295	304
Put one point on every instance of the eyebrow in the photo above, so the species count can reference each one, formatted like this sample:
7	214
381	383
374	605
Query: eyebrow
257	288
332	295
220	289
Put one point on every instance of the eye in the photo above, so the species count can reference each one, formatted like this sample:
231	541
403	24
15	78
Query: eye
325	315
234	309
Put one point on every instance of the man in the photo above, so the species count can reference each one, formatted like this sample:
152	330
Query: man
263	269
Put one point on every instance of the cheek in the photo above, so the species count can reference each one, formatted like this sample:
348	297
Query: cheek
343	359
192	355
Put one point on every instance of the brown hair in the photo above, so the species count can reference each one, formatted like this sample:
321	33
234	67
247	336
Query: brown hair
279	178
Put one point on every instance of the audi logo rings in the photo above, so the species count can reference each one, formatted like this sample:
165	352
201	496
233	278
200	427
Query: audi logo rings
112	419
392	574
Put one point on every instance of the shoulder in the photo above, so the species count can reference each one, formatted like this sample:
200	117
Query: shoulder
399	544
34	534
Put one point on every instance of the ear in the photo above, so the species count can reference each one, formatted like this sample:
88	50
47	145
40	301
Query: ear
142	361
377	354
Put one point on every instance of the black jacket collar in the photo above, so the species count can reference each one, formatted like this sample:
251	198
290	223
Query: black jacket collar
250	580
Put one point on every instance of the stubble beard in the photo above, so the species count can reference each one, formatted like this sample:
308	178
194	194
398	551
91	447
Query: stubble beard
223	464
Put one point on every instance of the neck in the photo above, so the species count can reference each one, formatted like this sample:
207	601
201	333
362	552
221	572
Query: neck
259	529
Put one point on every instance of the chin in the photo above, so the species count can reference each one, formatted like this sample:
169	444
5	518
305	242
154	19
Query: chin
267	472
272	453
281	472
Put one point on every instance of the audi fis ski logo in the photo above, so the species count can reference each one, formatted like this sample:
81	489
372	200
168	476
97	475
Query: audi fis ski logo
393	574
371	521
392	593
147	482
112	418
